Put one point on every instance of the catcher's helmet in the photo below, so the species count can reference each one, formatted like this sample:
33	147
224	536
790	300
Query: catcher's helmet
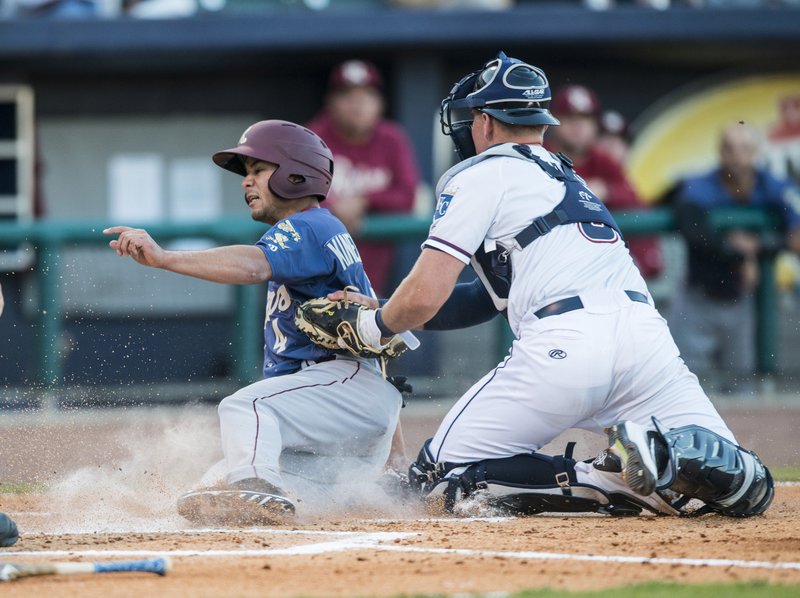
305	164
505	88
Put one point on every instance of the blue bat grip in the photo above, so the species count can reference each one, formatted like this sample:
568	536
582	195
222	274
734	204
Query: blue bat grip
155	565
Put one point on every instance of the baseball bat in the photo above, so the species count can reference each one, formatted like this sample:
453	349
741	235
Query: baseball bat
12	571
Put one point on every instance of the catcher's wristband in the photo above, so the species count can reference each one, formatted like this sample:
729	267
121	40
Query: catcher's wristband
368	329
385	330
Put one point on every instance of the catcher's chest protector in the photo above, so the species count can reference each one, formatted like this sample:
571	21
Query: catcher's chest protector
579	205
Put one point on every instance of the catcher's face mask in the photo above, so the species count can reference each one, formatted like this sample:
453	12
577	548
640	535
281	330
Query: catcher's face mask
505	88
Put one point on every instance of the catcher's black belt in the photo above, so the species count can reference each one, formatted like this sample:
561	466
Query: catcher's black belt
573	303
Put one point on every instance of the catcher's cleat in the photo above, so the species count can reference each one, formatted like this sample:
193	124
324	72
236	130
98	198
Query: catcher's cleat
247	502
633	445
607	461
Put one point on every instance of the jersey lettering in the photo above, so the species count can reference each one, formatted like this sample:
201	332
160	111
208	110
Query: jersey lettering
588	202
288	228
344	249
277	301
311	255
442	205
280	338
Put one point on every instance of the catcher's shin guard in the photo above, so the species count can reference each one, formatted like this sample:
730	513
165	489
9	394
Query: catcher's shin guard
692	462
524	484
730	480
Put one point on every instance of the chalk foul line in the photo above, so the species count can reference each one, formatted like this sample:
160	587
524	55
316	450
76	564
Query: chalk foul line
554	556
377	542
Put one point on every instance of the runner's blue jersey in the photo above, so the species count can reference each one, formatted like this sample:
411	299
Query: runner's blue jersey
311	254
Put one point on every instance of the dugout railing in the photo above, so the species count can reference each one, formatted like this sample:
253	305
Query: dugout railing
51	237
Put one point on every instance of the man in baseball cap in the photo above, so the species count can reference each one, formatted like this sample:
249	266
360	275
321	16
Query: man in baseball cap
376	170
355	73
579	110
615	135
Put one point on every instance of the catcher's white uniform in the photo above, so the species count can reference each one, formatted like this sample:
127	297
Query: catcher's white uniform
613	359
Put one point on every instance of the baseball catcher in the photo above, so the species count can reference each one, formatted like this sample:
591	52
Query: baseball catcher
590	350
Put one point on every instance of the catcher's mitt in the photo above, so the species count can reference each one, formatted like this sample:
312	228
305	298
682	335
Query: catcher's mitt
334	325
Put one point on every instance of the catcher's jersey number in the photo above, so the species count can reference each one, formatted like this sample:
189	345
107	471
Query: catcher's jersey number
597	232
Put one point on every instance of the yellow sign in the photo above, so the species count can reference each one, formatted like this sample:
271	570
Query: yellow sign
680	133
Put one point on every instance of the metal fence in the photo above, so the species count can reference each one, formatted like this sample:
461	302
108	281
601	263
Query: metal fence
51	237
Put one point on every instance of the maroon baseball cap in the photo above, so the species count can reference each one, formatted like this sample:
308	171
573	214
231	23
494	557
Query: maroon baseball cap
575	99
613	123
355	73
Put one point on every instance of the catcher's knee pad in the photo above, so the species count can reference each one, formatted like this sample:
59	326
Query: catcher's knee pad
727	478
524	484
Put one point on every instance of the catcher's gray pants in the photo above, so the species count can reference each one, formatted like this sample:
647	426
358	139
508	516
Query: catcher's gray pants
312	427
716	336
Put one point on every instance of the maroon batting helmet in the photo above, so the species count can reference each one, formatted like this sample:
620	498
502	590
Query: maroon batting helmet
304	163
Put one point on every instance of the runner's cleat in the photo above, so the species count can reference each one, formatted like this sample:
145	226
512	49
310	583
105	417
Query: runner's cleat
247	502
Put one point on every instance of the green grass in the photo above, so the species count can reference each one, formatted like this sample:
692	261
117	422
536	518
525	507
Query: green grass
671	590
785	474
661	590
21	488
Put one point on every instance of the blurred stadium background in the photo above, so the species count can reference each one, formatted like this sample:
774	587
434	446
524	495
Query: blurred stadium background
111	115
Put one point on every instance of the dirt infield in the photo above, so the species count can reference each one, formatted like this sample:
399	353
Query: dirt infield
112	478
362	557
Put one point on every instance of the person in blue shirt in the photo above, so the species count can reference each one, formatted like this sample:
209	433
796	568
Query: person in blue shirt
713	316
317	415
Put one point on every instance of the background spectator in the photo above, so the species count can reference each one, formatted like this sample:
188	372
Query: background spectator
375	168
713	316
615	137
578	109
784	138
